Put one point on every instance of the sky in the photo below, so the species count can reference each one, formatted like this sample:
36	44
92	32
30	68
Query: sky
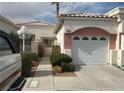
19	12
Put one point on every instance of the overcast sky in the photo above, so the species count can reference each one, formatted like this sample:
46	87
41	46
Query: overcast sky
20	12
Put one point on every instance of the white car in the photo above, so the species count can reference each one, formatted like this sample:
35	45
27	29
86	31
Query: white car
10	63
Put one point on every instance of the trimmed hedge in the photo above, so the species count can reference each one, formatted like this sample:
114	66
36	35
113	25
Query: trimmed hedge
34	57
71	67
27	59
16	39
58	59
26	64
68	67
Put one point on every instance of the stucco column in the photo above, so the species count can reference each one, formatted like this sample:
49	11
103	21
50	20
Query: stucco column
34	47
122	41
120	44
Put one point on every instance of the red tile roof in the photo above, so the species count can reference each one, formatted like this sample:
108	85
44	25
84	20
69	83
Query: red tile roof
37	23
86	15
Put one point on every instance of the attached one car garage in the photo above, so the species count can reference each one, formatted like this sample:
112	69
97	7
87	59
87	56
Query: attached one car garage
89	45
90	49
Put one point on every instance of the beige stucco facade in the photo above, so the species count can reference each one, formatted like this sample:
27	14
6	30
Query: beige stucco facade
111	22
7	26
40	31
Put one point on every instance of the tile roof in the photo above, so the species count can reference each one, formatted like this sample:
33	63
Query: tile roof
86	15
37	23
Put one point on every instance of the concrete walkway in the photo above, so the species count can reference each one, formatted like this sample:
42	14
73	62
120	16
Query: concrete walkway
43	79
90	77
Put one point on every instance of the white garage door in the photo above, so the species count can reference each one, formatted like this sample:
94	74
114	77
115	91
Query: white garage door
89	49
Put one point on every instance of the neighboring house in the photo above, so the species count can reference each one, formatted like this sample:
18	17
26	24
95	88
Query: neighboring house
7	26
41	31
92	38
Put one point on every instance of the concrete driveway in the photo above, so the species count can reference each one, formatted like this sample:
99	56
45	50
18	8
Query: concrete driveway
100	77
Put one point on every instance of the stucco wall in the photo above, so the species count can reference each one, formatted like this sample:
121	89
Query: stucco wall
109	25
112	41
41	31
90	31
7	27
60	38
113	57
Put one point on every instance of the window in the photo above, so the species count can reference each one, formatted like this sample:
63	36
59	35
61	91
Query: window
48	42
93	38
4	47
85	38
102	38
76	38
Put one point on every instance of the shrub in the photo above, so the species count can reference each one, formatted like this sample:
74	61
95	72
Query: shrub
65	67
68	67
34	56
16	39
71	67
57	69
26	64
58	59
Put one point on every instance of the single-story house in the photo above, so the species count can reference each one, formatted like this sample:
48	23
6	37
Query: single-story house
92	38
7	25
41	31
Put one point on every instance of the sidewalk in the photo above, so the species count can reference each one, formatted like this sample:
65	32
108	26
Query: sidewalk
43	79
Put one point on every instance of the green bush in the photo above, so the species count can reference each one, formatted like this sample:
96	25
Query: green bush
26	64
58	59
57	69
16	39
65	67
34	56
71	67
68	67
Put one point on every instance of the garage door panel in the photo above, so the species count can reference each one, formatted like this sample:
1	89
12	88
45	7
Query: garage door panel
89	51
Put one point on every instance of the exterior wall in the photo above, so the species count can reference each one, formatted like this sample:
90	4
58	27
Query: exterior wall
8	28
122	41
113	57
34	47
67	41
48	51
120	57
109	25
113	26
41	31
89	31
112	41
60	38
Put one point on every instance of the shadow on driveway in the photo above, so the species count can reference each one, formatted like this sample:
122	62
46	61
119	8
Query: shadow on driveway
78	67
